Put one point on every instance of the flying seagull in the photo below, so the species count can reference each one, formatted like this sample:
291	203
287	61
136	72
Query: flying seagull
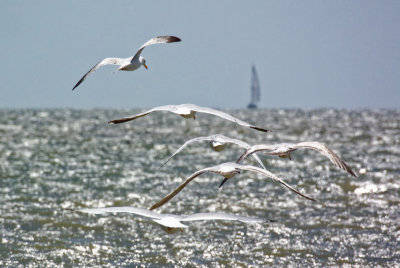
285	149
131	63
228	170
218	143
171	222
188	111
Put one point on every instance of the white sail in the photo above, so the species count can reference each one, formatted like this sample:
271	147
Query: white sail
255	89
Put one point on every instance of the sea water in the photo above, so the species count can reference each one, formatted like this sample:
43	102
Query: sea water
54	162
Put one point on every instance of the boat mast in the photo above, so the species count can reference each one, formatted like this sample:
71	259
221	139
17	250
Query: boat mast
254	89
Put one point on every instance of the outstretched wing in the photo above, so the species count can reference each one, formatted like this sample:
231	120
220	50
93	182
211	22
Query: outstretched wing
186	144
137	211
180	187
252	150
225	116
222	216
320	147
253	154
156	40
222	138
106	61
133	117
274	177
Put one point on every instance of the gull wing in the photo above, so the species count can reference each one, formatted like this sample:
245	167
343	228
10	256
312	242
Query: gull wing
239	143
253	149
320	147
225	116
156	40
133	117
132	210
217	137
274	177
180	187
222	216
106	61
186	144
255	157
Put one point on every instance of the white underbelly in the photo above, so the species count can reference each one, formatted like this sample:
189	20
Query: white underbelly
129	67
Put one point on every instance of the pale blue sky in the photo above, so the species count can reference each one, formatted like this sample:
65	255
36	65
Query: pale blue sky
308	54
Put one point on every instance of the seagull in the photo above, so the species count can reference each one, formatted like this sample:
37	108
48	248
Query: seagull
285	149
131	63
171	222
218	143
188	111
228	170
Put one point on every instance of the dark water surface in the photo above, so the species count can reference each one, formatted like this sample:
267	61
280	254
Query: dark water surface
53	162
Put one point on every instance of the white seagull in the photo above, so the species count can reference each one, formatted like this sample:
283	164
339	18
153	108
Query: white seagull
228	170
188	111
218	143
172	222
285	149
131	63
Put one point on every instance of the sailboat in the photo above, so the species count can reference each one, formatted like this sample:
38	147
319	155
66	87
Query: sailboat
254	88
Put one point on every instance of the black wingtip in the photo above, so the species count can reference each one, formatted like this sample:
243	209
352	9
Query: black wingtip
259	129
118	121
222	183
349	170
172	39
153	207
79	82
352	172
161	166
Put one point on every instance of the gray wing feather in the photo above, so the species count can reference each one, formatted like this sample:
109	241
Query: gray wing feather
221	216
156	40
137	211
323	149
133	117
241	144
275	178
226	116
180	187
106	61
252	150
186	144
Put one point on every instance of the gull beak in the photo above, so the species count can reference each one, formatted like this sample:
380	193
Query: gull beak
145	66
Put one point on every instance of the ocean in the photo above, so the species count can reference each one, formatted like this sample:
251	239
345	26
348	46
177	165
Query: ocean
54	162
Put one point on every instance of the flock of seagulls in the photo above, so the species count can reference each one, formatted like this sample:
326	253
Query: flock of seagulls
218	142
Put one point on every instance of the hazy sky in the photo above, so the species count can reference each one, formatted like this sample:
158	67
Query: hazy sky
308	54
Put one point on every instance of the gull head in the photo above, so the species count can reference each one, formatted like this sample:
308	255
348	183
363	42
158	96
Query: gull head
171	230
143	62
187	114
285	155
217	146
